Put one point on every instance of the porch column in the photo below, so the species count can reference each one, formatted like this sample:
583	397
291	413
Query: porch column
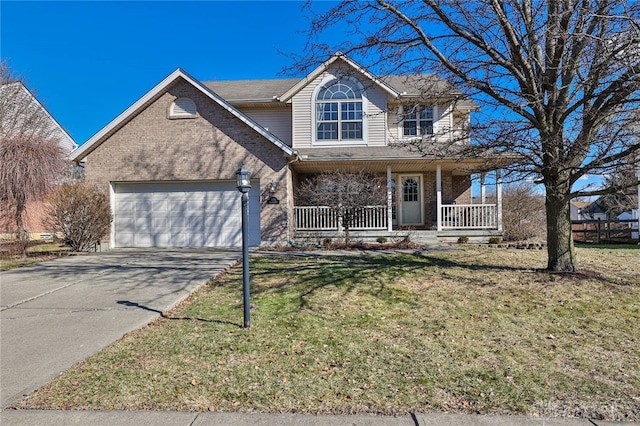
439	197
389	201
638	206
499	198
483	189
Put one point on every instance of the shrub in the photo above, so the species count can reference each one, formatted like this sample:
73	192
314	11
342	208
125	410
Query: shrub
80	213
523	213
494	240
463	239
381	240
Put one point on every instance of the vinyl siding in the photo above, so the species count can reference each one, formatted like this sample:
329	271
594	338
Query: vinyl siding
301	106
277	121
376	124
443	122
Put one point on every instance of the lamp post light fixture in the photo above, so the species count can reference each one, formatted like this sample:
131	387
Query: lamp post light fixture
243	181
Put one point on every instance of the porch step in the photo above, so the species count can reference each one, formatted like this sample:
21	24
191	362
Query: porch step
423	237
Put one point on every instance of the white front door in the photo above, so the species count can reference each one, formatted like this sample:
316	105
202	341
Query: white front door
411	200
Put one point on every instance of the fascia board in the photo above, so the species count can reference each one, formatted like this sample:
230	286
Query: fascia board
324	66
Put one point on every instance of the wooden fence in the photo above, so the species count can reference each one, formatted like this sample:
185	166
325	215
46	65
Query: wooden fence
602	230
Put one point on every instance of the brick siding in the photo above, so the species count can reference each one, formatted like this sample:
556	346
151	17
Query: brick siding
152	147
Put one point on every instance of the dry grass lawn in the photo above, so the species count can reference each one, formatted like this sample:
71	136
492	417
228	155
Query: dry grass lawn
471	330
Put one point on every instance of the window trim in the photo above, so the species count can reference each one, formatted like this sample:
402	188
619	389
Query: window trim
401	121
355	84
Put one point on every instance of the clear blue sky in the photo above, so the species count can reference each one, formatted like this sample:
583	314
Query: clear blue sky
89	61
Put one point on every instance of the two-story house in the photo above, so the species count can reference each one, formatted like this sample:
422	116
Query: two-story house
169	161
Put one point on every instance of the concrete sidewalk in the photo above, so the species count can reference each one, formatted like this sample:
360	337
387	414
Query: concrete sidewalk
57	313
168	418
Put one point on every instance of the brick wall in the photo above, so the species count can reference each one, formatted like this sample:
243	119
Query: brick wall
152	147
454	188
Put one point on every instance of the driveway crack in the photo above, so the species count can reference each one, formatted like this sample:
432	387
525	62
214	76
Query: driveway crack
36	297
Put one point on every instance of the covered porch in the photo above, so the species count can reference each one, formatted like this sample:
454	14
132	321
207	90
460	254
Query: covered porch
435	198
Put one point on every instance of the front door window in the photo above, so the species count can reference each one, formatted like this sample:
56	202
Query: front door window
411	206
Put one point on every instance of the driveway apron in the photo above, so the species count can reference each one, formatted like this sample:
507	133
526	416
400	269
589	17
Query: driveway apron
57	313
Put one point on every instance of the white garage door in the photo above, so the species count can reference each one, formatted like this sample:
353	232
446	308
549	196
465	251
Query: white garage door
194	214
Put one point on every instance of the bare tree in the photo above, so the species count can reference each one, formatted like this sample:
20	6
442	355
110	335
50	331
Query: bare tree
625	198
31	157
344	192
559	80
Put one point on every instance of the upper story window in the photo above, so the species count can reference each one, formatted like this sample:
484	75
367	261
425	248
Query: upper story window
417	120
339	112
183	108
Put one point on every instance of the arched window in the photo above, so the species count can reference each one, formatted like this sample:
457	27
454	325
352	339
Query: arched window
339	111
183	108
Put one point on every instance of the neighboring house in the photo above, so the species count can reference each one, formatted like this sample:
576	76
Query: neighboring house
630	215
22	113
576	208
168	162
587	210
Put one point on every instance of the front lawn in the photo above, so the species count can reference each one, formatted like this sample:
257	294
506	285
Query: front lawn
473	330
37	251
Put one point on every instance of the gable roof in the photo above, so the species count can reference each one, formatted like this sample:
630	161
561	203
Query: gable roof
237	91
426	85
282	90
66	141
153	94
325	65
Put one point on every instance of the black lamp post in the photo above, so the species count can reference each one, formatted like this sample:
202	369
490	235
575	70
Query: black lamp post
243	181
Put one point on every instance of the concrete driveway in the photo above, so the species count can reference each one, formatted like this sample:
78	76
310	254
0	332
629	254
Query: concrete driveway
57	313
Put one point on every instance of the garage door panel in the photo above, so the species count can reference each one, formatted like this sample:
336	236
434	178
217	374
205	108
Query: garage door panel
126	239
200	214
160	222
178	223
126	225
143	222
127	206
144	205
142	240
179	240
161	206
178	206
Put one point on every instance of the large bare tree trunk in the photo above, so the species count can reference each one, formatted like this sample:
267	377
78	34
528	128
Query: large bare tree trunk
561	254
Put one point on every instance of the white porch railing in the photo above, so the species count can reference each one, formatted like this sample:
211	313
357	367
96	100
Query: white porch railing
322	218
469	216
454	216
370	217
